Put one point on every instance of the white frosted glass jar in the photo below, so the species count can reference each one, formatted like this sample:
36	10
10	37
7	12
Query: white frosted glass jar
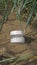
17	36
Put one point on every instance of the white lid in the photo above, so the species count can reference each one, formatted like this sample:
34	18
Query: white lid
17	32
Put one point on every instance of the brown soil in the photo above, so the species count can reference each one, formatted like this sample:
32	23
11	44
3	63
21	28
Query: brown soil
8	49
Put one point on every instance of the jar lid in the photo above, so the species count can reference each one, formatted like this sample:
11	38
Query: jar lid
17	32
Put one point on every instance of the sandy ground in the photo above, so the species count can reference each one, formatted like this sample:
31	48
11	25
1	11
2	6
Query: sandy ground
8	49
